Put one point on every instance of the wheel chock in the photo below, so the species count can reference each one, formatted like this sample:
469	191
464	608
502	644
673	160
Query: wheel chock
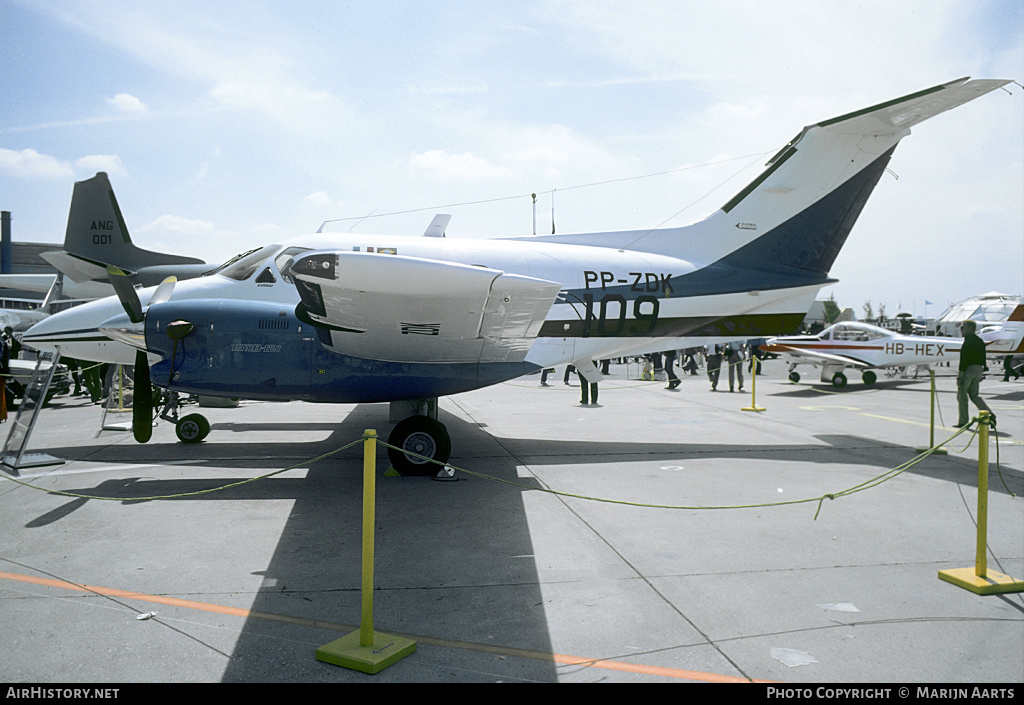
445	474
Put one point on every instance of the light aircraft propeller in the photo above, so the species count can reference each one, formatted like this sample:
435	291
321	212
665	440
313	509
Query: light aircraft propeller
135	335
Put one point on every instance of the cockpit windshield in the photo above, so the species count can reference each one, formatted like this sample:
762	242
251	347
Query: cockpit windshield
857	333
286	259
241	267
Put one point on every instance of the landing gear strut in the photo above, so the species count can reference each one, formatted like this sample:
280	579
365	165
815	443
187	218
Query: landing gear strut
192	428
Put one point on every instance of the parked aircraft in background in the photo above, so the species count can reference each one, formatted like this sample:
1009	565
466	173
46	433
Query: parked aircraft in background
20	319
377	318
97	237
869	348
1006	338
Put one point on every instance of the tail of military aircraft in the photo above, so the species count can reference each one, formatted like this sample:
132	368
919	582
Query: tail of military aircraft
97	236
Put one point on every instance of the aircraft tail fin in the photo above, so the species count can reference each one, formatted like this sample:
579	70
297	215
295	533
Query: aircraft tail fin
96	234
788	225
799	211
1010	338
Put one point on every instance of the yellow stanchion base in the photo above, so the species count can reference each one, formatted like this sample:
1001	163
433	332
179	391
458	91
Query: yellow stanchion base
348	652
753	408
937	451
993	583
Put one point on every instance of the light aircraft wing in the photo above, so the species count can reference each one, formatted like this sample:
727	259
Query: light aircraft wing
408	309
813	355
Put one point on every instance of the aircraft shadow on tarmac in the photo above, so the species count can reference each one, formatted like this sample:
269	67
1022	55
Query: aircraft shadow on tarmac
819	389
453	558
476	450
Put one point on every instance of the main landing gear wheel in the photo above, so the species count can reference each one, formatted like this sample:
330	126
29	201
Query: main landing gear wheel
838	380
794	377
192	428
423	436
869	377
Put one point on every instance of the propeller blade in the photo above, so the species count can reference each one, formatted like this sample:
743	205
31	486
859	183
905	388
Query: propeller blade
142	403
125	293
164	291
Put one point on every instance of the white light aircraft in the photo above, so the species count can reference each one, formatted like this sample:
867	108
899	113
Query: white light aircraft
869	348
376	318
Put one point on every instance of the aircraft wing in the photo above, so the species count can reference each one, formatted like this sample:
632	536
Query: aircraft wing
408	309
812	356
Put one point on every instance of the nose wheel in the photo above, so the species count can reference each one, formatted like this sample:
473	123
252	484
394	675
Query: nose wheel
192	428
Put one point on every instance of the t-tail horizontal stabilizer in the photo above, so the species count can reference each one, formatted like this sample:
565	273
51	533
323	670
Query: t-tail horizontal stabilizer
797	214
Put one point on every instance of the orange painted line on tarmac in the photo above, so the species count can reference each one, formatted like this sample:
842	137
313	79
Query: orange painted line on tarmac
648	670
622	666
113	592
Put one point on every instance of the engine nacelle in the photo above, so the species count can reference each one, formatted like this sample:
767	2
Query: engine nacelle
260	350
246	349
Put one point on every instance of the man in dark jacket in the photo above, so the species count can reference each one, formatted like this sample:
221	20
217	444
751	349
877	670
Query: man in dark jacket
968	378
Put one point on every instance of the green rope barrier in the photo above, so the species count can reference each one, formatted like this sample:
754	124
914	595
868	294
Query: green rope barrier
868	484
189	494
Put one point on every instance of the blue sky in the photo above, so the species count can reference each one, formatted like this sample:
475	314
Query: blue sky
225	125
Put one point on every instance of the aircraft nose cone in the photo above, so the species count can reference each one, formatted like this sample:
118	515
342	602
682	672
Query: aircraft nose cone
121	329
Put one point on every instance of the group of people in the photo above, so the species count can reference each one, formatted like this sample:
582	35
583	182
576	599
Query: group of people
91	375
87	374
969	374
588	389
731	354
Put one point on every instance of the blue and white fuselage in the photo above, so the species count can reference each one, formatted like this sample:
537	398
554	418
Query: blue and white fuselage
366	318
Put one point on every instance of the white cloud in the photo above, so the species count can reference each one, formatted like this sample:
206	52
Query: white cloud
28	163
439	164
183	226
191	236
318	198
110	163
127	103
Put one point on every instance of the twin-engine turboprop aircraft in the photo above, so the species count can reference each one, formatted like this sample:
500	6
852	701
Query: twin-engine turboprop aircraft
869	348
374	318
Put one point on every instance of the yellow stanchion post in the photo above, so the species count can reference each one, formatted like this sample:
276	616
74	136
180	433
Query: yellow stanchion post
367	650
753	388
980	579
931	425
